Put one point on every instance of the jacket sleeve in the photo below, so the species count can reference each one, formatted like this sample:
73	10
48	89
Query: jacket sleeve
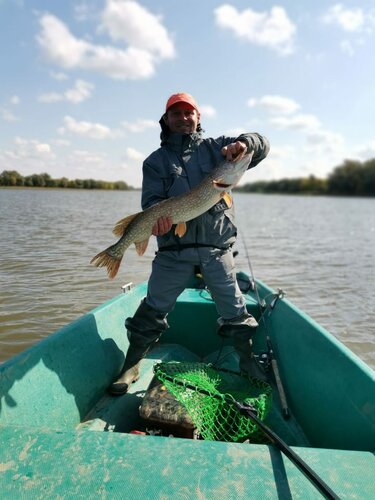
152	185
255	143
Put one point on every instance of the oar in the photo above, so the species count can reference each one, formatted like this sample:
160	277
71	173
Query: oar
312	476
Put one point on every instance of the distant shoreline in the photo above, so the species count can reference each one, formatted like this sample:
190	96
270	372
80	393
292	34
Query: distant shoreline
352	179
53	188
237	190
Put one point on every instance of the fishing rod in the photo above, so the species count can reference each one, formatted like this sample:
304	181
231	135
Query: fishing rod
279	384
270	356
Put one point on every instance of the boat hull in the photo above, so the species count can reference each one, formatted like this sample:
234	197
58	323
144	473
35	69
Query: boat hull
55	411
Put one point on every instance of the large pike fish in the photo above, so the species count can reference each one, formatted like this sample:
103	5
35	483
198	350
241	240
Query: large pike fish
137	228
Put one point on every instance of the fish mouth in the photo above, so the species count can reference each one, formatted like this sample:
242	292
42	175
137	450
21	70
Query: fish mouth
221	185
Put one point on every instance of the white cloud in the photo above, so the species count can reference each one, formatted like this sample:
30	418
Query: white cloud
80	92
83	11
15	100
140	125
271	29
132	167
275	104
367	151
148	40
319	141
59	45
133	154
302	122
85	129
51	97
61	142
322	140
347	19
7	116
278	164
358	25
87	157
130	22
235	132
58	75
207	111
281	152
347	47
29	149
84	164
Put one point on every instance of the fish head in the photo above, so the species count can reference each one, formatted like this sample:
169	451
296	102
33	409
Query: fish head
227	174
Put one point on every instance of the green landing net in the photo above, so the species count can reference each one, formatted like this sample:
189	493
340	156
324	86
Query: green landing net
208	394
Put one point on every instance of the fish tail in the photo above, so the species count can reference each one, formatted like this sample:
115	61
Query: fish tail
105	259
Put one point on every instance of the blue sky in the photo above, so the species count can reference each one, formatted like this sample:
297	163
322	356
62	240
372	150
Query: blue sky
84	83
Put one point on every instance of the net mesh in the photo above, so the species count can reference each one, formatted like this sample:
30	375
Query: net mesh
208	394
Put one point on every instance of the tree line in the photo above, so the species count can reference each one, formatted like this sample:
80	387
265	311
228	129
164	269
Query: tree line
352	178
13	178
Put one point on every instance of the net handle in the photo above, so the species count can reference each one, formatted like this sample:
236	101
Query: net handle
251	412
311	475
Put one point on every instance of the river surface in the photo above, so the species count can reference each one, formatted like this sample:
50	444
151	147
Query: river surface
320	250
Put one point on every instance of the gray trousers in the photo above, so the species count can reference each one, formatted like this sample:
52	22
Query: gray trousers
172	271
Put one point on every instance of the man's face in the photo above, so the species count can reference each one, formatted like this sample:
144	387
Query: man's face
182	118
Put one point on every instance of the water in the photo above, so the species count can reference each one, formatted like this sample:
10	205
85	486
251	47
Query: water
320	250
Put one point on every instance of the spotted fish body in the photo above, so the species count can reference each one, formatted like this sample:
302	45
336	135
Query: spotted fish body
137	228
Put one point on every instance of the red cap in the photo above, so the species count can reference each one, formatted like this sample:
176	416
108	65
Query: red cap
181	97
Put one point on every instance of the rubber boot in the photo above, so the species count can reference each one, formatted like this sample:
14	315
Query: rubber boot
144	330
249	365
130	370
240	330
233	327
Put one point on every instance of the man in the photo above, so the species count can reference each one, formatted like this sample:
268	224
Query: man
183	161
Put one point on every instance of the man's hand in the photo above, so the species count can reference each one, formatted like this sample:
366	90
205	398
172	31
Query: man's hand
162	226
234	151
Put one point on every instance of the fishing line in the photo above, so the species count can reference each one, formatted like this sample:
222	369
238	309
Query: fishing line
262	304
269	356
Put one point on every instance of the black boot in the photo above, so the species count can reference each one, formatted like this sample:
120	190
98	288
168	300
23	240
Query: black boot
144	330
240	330
231	327
249	365
130	370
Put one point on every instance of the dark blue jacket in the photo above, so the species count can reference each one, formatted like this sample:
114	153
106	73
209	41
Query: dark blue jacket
182	162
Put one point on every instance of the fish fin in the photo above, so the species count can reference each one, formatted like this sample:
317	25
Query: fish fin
122	224
141	246
103	259
228	199
180	229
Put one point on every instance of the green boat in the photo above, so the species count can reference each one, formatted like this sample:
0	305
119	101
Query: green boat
63	436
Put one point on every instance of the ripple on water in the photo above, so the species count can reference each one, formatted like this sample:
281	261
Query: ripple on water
320	250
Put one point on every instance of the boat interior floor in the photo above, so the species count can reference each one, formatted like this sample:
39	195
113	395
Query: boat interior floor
121	413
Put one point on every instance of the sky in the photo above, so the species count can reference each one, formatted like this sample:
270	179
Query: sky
84	83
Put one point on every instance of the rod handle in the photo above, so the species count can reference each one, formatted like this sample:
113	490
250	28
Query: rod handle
280	388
